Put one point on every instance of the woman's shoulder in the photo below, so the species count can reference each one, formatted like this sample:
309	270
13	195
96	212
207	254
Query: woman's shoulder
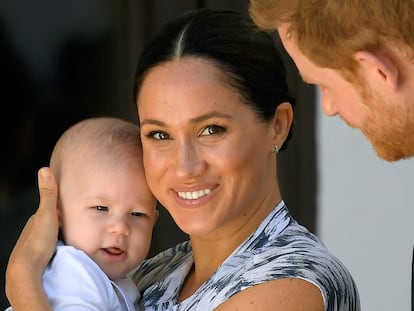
292	253
299	254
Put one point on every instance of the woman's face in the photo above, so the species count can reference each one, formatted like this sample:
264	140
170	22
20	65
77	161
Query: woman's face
208	158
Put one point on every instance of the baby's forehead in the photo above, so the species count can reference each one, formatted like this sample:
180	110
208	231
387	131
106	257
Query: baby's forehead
106	141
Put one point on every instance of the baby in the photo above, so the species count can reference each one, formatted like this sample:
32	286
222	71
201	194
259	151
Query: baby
106	214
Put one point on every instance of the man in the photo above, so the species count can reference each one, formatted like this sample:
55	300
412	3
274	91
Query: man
360	53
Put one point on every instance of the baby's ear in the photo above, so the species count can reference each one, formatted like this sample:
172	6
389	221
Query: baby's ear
379	65
59	215
59	211
157	214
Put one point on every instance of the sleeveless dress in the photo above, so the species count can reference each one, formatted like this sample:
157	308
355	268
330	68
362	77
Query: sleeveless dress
278	248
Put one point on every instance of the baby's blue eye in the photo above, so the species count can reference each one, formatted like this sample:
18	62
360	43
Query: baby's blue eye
137	214
101	208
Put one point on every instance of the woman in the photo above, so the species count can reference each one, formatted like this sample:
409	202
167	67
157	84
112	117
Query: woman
214	111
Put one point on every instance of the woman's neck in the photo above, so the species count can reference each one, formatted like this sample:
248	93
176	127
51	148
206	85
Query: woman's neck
209	252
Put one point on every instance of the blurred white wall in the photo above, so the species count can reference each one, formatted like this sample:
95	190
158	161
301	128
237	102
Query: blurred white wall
366	213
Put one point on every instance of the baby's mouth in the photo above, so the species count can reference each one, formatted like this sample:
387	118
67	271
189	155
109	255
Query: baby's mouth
113	250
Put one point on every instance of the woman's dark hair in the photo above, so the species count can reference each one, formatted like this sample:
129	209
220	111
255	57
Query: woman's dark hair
245	54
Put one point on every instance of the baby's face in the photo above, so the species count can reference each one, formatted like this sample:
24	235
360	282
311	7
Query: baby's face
108	212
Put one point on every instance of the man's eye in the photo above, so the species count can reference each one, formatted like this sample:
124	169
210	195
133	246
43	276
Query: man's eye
212	130
137	214
158	135
101	208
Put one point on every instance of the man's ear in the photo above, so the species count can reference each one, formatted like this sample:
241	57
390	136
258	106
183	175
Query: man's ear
282	121
378	65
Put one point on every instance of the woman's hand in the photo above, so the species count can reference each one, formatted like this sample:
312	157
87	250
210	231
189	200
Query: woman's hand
33	250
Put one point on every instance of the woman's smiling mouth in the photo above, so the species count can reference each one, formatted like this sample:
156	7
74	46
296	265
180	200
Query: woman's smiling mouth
193	195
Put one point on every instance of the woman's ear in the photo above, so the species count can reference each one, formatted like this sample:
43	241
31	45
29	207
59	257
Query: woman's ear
282	122
379	67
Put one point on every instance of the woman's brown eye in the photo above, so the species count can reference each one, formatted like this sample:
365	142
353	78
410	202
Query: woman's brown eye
158	135
212	130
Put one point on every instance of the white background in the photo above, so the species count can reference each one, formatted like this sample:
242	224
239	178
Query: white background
366	214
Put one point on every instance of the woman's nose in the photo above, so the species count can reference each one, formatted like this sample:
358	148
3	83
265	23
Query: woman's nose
189	160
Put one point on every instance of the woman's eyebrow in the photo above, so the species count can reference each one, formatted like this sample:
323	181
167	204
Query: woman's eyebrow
152	122
210	115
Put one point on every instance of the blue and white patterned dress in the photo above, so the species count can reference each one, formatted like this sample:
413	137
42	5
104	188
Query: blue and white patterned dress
279	248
